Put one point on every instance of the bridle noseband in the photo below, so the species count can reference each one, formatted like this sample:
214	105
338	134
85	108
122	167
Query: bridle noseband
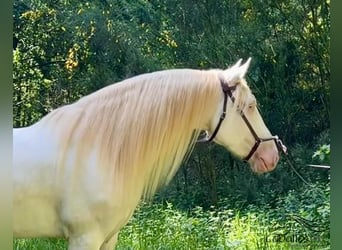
228	92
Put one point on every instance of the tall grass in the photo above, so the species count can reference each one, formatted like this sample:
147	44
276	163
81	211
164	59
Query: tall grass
162	226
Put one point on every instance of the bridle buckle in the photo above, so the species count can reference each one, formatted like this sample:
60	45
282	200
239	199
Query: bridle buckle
280	145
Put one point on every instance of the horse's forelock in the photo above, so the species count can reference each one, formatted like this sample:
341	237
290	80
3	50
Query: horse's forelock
242	96
243	92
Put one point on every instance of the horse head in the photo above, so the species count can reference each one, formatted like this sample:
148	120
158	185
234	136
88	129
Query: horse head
239	127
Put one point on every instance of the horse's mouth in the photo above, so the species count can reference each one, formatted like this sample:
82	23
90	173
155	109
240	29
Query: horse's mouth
261	165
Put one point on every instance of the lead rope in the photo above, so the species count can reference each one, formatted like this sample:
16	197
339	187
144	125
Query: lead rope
288	160
309	224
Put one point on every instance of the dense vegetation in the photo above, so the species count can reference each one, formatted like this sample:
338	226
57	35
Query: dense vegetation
159	226
66	49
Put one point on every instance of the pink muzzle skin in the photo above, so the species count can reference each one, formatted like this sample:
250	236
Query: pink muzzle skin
264	159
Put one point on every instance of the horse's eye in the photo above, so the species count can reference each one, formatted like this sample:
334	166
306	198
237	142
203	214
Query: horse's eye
252	105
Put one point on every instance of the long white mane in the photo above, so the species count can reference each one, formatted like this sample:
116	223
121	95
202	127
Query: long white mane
139	130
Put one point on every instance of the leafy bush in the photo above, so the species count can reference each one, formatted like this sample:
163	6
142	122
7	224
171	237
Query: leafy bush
299	221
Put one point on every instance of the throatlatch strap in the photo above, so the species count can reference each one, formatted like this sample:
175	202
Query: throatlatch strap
227	91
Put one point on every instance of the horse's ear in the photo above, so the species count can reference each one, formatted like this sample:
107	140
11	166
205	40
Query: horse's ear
243	69
237	71
237	64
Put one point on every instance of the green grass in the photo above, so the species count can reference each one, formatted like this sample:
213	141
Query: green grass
161	226
40	244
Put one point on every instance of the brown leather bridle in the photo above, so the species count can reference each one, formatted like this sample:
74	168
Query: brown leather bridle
228	92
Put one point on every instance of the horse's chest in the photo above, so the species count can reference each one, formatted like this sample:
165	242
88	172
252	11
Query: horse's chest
34	208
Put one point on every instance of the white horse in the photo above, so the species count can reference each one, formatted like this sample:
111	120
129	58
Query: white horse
80	171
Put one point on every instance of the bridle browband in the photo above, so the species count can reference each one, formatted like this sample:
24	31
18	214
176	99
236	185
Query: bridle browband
228	92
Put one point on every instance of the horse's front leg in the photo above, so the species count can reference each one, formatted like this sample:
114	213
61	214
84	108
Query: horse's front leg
87	241
110	245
